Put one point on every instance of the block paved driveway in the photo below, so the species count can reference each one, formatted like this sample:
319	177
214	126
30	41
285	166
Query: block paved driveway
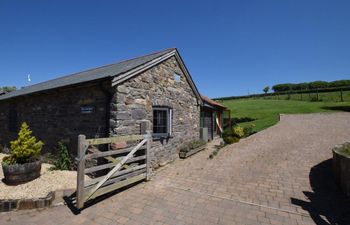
281	175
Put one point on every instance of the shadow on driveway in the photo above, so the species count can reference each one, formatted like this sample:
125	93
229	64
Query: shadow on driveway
345	108
327	204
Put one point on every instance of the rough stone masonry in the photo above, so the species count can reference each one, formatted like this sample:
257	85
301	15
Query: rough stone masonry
134	100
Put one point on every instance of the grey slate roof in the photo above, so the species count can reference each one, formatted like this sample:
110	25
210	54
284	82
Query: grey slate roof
111	70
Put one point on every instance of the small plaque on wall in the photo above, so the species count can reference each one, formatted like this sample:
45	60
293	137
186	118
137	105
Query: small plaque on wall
87	109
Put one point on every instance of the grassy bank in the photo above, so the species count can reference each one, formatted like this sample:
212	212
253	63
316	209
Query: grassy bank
266	111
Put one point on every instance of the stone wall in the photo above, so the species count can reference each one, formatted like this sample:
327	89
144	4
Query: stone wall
57	115
134	99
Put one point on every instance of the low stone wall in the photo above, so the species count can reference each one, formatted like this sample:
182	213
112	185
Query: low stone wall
341	169
53	198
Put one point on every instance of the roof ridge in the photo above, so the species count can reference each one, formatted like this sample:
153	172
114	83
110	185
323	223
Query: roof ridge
153	53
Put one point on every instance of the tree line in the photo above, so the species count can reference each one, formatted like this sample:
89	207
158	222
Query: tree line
314	85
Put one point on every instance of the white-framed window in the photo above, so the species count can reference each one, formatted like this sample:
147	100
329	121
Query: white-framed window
162	121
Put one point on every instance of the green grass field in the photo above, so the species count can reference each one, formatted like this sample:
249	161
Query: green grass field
266	112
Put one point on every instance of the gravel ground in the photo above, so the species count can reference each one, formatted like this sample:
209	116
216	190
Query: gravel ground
40	187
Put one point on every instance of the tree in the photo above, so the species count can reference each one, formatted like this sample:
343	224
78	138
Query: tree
300	86
318	84
281	87
339	83
7	89
266	89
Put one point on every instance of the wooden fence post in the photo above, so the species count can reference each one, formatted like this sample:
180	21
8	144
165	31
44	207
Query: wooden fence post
341	95
80	170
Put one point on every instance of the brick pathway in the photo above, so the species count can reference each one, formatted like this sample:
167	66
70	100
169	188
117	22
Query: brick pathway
281	175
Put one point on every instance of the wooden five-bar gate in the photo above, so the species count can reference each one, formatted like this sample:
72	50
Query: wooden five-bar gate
120	167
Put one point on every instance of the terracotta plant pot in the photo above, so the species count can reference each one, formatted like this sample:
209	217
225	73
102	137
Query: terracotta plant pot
21	173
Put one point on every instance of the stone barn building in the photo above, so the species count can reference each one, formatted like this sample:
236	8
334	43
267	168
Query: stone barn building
108	101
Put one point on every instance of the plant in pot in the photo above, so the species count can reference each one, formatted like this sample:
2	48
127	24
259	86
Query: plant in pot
233	134
23	163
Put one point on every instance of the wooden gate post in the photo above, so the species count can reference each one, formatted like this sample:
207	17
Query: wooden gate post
146	131
148	159
80	170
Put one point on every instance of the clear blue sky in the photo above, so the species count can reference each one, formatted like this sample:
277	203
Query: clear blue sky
230	47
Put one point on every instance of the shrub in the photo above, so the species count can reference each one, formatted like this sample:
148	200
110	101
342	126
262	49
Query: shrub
345	149
238	131
230	139
9	160
227	132
233	134
236	120
249	130
25	149
62	160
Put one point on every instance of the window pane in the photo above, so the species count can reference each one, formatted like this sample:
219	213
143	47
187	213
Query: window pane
177	77
160	121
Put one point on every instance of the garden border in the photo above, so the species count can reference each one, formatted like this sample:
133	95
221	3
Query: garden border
52	198
184	155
